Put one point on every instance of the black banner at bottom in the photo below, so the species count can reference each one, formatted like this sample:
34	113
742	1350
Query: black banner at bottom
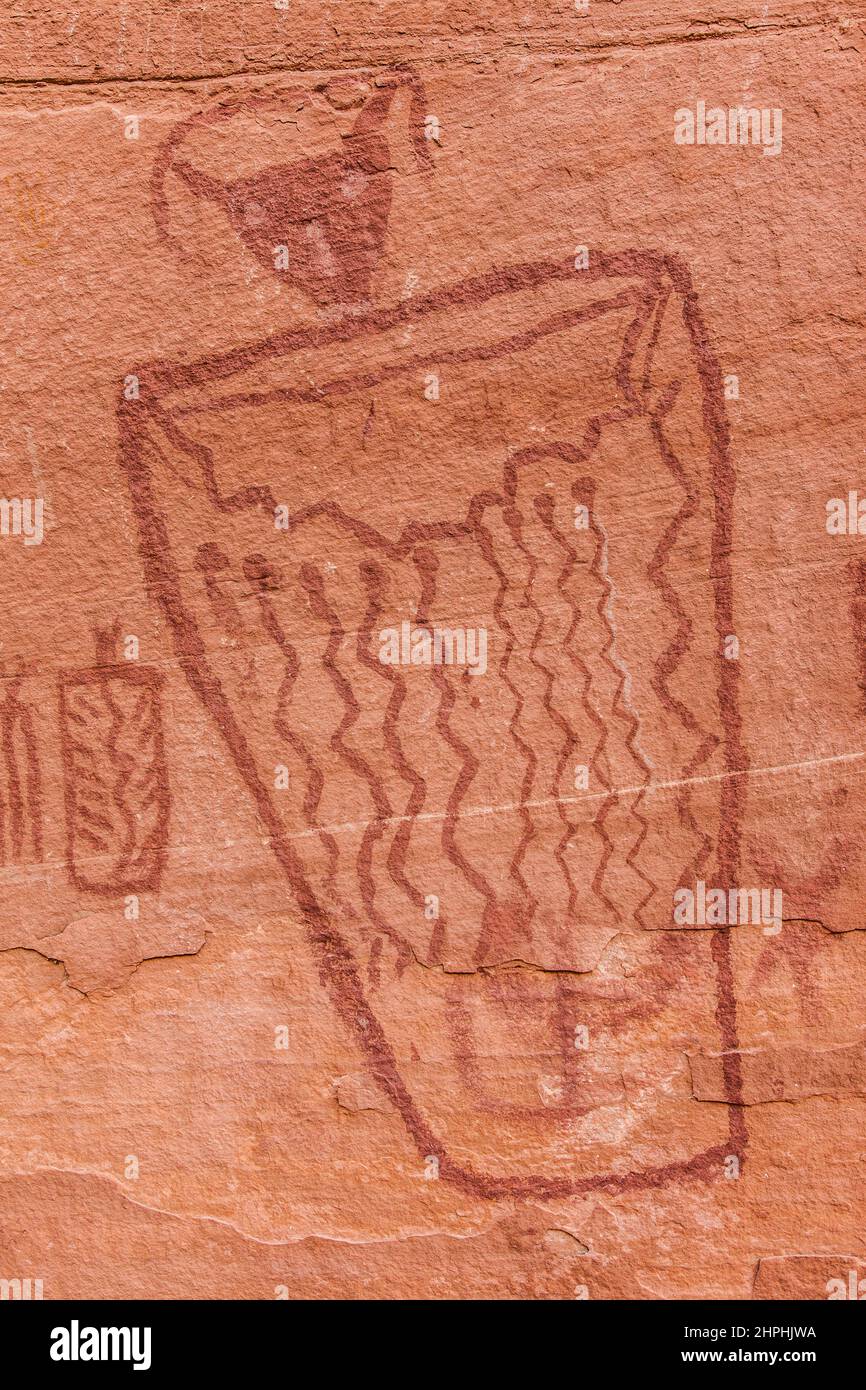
65	1338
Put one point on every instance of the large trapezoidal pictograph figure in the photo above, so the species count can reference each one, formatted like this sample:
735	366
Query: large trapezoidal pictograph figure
483	860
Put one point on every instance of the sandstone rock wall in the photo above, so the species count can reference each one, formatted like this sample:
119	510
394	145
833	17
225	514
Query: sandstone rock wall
434	692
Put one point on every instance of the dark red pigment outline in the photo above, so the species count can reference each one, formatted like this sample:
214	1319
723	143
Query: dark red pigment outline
133	861
284	195
338	969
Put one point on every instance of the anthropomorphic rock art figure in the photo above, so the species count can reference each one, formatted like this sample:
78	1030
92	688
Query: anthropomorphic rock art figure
22	831
319	222
478	699
115	775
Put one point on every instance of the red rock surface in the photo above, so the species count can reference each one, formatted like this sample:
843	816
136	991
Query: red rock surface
328	976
